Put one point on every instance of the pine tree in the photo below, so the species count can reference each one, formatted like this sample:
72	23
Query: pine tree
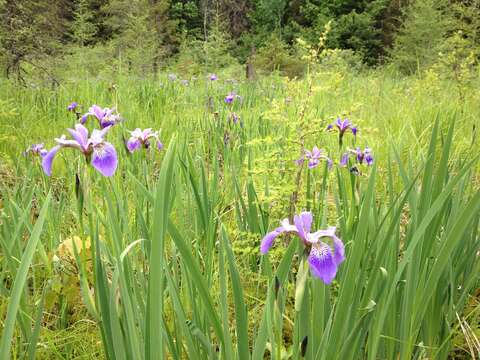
83	28
141	32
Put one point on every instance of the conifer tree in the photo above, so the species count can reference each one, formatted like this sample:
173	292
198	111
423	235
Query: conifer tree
83	28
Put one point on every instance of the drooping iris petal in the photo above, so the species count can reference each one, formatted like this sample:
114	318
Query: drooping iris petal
106	123
369	159
48	160
268	240
105	159
322	263
360	155
313	163
133	144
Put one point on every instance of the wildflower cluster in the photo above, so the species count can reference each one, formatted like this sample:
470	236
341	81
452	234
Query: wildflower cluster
99	153
323	259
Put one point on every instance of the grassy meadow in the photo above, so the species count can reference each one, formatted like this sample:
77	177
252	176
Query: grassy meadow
162	260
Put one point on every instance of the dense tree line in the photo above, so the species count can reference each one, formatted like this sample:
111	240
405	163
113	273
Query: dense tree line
148	33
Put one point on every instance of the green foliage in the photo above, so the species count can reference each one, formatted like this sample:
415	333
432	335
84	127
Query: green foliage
275	55
83	28
418	42
196	57
27	34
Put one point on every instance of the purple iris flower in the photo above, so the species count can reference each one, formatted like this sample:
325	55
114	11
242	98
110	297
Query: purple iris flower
99	153
141	138
231	97
343	126
106	117
235	118
72	106
213	77
323	259
361	156
366	155
344	159
36	149
314	158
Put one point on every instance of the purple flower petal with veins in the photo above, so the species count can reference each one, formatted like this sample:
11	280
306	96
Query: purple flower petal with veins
322	264
47	160
104	159
133	144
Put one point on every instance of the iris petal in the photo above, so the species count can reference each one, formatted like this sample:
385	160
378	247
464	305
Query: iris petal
344	159
97	111
133	144
298	221
267	241
83	131
78	138
303	223
47	160
105	159
322	263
